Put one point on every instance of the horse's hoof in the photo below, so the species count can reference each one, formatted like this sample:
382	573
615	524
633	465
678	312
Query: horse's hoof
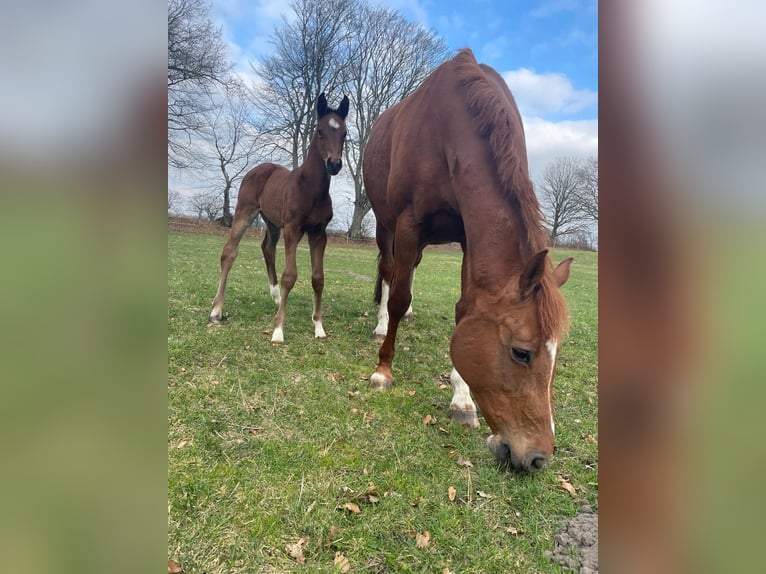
409	316
217	319
380	382
278	336
464	417
378	338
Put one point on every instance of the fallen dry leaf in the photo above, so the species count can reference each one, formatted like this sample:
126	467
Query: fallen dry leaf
513	531
566	486
341	563
182	443
354	411
591	439
334	376
351	507
423	540
411	393
174	567
484	494
451	492
369	416
463	461
352	394
428	420
296	550
442	386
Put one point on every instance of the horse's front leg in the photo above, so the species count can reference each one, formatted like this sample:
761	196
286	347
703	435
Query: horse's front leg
462	408
406	255
292	236
317	244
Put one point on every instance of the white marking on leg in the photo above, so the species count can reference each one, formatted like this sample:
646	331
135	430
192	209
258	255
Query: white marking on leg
409	314
382	328
334	123
319	330
275	293
461	394
552	346
278	336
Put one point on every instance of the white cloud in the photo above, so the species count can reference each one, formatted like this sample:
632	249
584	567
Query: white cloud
548	140
547	93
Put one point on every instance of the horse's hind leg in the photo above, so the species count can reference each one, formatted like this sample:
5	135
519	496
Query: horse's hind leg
242	221
317	244
292	235
382	290
269	248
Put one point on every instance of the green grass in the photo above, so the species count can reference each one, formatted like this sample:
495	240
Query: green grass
265	442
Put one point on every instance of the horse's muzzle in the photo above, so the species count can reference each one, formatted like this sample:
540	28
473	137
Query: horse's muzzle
333	167
531	461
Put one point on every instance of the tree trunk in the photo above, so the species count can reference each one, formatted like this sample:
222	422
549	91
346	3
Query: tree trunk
361	208
355	232
226	218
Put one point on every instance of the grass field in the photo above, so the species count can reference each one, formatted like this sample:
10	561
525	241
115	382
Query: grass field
281	459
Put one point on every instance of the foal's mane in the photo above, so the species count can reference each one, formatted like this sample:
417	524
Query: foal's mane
499	127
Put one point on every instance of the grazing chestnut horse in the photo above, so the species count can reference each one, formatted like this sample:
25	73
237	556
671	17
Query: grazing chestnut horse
291	203
448	163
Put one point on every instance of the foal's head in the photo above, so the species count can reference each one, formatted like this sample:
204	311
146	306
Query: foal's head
331	133
505	348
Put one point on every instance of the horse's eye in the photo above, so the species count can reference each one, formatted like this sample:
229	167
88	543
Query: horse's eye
320	133
521	356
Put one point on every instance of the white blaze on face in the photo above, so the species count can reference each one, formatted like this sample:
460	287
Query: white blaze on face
551	346
334	123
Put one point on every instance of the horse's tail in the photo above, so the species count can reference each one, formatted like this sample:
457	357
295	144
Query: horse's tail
378	285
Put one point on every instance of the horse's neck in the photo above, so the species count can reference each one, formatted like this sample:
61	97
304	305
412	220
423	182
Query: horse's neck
313	170
496	245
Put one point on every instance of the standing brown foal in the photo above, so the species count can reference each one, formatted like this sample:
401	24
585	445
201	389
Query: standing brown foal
291	203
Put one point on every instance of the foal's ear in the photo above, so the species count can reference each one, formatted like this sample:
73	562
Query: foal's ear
343	109
561	273
322	105
533	273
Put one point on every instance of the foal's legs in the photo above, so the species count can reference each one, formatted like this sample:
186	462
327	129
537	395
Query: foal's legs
317	244
407	251
292	235
242	220
269	248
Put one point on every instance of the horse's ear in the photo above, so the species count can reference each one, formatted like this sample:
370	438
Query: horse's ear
561	273
321	105
533	273
343	109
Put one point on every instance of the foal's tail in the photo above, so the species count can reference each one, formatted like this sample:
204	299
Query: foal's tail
378	285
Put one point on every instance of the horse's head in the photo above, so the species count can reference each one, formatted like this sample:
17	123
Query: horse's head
331	133
505	348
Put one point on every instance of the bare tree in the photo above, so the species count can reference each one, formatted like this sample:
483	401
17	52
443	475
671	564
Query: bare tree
559	192
309	58
588	175
174	198
206	204
229	144
196	62
390	57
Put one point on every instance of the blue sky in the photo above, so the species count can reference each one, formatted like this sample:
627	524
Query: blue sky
546	51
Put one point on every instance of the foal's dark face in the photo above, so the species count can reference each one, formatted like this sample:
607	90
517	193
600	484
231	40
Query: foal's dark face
331	136
331	133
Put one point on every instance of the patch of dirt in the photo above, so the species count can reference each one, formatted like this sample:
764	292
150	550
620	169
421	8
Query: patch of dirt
577	543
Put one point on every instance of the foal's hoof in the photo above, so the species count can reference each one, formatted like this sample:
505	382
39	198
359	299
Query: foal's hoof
217	319
380	382
278	336
378	338
464	417
409	316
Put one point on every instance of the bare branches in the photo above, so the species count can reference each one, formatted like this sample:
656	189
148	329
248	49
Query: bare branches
588	195
196	63
560	191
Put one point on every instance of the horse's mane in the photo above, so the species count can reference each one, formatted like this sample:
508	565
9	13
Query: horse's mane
501	129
